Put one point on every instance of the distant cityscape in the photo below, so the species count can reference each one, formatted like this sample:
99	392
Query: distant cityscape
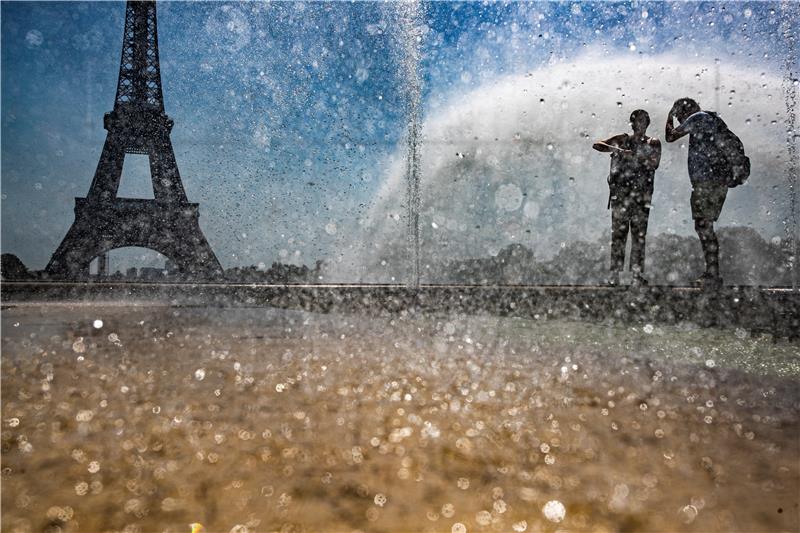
748	259
14	269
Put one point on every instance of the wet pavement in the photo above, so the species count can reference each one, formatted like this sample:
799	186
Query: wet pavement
121	417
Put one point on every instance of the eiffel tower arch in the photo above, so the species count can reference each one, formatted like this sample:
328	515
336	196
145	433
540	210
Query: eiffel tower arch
138	124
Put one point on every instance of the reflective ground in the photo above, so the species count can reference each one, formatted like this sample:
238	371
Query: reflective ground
149	418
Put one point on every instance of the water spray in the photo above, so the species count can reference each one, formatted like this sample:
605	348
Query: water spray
411	28
790	86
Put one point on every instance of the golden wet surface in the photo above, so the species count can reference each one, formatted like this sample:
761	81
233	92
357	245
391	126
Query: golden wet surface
264	420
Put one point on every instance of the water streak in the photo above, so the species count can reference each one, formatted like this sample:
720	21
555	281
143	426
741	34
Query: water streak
790	83
410	17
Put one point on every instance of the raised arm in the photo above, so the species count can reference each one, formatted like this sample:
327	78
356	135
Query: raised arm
612	144
671	133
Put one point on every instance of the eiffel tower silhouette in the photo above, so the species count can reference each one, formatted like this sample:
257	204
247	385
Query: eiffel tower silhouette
168	223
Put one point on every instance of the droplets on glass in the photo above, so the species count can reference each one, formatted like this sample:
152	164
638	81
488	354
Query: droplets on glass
554	511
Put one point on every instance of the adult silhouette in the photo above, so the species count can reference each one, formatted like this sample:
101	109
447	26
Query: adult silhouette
634	160
716	162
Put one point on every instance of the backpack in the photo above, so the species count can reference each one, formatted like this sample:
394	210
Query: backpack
731	149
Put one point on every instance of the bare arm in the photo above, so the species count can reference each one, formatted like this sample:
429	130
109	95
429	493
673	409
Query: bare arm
611	144
671	133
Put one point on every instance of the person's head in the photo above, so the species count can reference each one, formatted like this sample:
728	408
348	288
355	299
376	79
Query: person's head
639	121
683	108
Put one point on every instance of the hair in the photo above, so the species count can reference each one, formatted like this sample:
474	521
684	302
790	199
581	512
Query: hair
685	107
640	113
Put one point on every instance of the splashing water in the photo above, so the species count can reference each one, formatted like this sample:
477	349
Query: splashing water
410	17
790	82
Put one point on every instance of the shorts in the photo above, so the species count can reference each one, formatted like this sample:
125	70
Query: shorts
707	200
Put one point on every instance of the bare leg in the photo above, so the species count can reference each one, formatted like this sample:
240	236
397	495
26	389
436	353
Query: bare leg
710	244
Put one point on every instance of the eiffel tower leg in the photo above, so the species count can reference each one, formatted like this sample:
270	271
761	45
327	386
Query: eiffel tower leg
167	185
81	244
190	250
109	171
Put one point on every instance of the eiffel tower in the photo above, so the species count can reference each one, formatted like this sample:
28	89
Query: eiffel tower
168	223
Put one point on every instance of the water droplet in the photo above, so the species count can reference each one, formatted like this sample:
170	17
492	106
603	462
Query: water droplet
544	447
688	513
554	511
85	415
78	346
81	488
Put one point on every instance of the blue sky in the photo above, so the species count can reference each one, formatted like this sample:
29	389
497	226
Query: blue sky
287	114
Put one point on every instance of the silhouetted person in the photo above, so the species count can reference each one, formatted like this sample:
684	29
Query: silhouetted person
716	162
634	160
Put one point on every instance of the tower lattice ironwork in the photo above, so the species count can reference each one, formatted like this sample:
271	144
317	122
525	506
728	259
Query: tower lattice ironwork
138	124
